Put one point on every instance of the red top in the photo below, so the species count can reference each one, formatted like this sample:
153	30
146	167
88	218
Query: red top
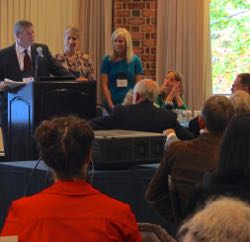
71	211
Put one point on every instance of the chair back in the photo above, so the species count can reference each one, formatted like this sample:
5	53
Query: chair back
174	201
154	233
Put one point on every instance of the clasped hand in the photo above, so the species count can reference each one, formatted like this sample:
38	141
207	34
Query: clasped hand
81	78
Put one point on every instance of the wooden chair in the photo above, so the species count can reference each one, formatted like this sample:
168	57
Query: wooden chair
154	233
174	201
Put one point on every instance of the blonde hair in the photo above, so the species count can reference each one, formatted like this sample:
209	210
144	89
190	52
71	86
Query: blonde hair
225	219
129	45
72	29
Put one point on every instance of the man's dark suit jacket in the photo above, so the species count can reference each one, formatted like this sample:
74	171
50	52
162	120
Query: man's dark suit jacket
9	65
143	116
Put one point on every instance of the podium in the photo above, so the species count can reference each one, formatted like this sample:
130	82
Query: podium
28	105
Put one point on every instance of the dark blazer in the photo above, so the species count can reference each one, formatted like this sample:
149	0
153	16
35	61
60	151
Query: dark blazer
9	65
143	116
214	186
187	161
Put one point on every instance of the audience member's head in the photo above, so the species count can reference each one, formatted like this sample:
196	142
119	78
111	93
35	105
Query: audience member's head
222	220
65	146
234	159
24	33
241	82
241	102
145	89
171	79
216	113
71	39
122	46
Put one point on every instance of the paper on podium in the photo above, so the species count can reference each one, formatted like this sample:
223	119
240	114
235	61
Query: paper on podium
13	84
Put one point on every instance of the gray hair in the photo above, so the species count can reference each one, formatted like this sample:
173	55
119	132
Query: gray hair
147	89
225	219
241	102
217	112
20	26
72	29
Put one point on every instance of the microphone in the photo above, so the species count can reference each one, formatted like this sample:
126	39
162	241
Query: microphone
39	51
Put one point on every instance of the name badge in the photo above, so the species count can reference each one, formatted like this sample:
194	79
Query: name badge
121	82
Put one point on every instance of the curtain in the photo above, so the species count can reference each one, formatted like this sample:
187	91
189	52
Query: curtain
48	17
183	44
96	28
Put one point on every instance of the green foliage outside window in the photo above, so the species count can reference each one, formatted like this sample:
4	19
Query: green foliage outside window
230	37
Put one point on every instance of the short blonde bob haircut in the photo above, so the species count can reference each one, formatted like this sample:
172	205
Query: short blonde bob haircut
72	29
129	45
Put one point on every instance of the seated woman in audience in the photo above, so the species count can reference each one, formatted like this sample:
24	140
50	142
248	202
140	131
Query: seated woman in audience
170	96
71	209
120	70
232	176
73	59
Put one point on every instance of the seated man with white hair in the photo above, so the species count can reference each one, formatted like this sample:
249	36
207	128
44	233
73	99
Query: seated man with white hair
142	115
225	219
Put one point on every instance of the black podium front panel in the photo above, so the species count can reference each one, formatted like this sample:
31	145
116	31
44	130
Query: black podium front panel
28	105
64	98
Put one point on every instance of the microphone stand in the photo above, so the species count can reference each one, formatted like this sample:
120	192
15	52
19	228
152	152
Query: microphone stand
36	67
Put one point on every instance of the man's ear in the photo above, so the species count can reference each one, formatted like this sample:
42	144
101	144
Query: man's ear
136	97
201	122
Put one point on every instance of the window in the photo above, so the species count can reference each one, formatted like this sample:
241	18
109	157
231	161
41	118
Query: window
230	39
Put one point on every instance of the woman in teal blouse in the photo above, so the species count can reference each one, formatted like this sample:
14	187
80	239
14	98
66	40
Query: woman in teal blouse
120	70
170	96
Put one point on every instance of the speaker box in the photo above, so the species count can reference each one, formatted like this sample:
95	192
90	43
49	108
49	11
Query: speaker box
123	148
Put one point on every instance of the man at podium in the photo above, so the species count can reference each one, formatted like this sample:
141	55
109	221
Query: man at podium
25	59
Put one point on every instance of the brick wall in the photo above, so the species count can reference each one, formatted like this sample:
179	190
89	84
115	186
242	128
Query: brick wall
139	17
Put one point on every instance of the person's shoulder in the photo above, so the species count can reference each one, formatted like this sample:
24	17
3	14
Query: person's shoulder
166	113
60	56
23	204
40	45
106	58
116	207
183	145
121	108
7	49
136	58
106	61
